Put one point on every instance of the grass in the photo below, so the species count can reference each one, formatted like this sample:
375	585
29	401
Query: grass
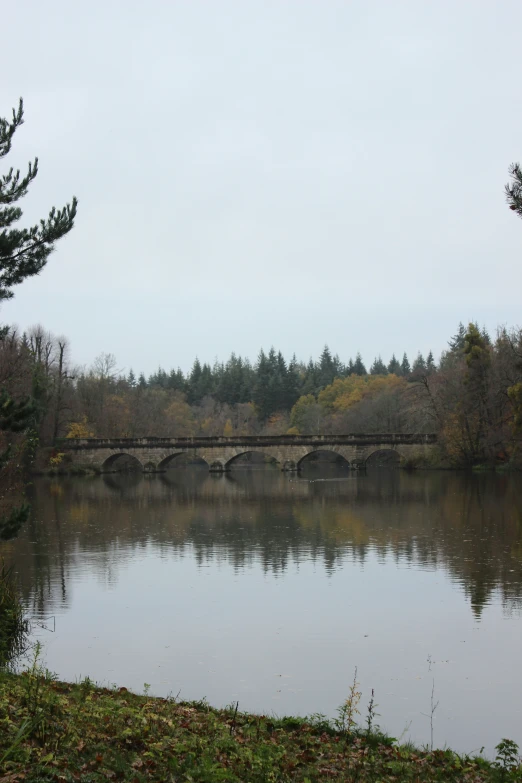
13	623
55	731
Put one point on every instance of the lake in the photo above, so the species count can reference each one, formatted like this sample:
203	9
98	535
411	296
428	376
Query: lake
270	589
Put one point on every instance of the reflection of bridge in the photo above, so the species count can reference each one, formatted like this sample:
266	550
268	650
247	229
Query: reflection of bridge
289	451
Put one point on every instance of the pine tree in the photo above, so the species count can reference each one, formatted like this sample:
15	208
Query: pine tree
248	382
131	379
279	383
206	382
261	394
456	343
193	383
394	366
419	365
350	368
292	391
176	381
327	368
311	379
230	388
24	252
378	367
485	335
405	366
358	365
430	364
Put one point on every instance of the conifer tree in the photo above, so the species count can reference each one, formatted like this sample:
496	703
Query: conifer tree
394	366
358	365
327	368
311	379
485	335
419	365
193	383
292	384
261	394
456	343
430	364
378	367
24	252
231	382
405	366
176	380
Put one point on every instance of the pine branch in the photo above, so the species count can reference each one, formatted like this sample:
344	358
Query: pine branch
7	130
24	252
514	190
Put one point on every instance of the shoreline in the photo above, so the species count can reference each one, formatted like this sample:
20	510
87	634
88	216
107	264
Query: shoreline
52	730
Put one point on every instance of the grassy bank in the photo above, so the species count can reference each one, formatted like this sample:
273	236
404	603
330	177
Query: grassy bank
53	731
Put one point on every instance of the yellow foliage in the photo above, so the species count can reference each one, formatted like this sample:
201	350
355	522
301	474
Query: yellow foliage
206	425
300	408
293	431
228	429
344	393
79	429
180	417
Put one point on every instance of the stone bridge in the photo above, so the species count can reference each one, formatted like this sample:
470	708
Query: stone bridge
289	451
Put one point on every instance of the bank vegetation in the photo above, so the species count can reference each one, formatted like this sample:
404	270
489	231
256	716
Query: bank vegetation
53	731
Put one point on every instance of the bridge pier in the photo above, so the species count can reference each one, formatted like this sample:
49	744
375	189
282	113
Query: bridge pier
218	467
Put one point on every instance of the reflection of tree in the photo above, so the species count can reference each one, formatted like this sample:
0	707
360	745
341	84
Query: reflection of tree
471	526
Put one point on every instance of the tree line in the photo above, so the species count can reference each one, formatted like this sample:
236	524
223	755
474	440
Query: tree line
471	397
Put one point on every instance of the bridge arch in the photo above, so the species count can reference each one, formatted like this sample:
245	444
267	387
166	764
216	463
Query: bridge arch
323	456
180	458
267	458
383	457
121	462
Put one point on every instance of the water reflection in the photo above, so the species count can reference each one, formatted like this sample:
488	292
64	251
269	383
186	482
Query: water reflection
270	588
468	525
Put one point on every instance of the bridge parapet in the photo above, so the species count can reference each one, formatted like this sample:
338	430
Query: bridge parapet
247	440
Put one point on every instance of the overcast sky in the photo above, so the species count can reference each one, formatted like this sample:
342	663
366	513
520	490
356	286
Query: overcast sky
257	173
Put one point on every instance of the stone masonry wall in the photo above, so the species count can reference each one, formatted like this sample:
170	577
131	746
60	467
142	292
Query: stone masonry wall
219	456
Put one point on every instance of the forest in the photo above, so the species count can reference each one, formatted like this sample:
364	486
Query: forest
471	397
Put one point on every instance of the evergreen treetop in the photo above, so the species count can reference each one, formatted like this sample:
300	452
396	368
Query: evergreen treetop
405	366
394	366
24	252
358	365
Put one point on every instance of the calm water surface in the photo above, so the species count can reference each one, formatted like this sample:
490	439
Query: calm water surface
270	590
